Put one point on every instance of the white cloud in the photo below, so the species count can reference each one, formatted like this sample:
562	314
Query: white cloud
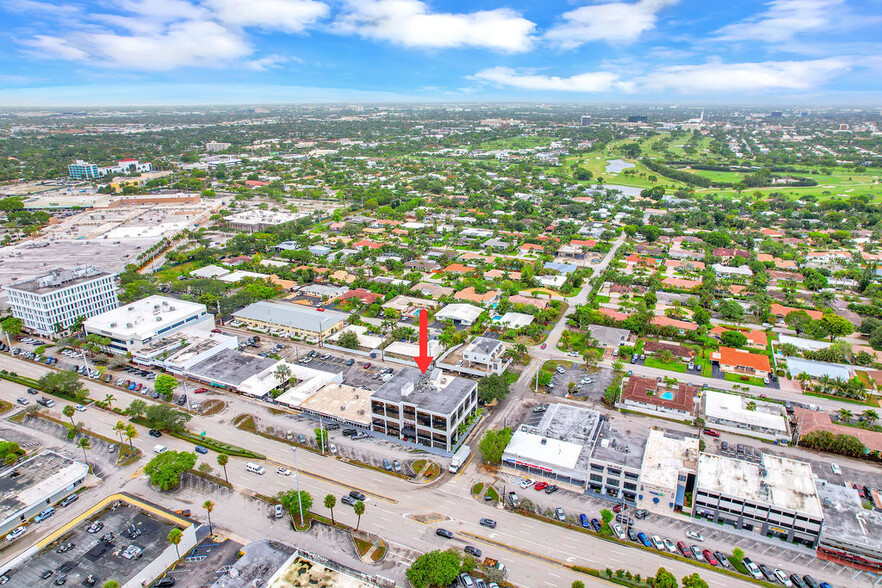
287	15
55	47
614	22
745	77
270	62
591	82
411	23
783	20
186	43
707	78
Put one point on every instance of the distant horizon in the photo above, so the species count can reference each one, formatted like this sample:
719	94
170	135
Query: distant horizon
88	53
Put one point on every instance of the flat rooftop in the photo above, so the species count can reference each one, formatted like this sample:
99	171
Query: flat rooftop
666	454
35	480
293	316
342	402
621	441
483	345
433	391
59	278
142	318
230	367
787	483
733	407
846	522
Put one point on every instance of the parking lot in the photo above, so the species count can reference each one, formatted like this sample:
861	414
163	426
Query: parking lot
98	554
205	563
589	385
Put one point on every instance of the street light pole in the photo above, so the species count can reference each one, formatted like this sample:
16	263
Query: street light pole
297	479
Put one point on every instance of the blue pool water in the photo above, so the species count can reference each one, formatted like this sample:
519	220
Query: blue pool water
667	395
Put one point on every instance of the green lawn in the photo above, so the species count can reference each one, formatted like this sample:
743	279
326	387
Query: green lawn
518	143
753	381
674	366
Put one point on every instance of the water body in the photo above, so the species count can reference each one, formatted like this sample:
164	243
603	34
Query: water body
625	190
615	166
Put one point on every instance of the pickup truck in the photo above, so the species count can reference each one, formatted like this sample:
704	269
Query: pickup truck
514	500
47	402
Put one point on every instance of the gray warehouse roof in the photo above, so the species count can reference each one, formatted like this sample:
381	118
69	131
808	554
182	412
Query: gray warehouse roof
230	367
291	315
37	479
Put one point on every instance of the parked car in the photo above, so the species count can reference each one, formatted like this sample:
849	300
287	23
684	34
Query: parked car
387	465
595	524
783	579
644	539
551	489
95	527
752	568
709	557
669	545
694	535
722	559
540	486
559	513
811	582
641	513
584	521
696	552
16	533
632	535
797	581
396	465
527	483
683	548
65	547
69	499
658	543
44	514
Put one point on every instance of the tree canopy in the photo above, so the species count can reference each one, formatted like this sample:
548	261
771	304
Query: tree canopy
436	568
165	469
493	443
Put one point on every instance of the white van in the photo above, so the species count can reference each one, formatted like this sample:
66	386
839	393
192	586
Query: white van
159	449
255	469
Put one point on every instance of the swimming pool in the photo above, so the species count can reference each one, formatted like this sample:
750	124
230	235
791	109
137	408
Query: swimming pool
667	395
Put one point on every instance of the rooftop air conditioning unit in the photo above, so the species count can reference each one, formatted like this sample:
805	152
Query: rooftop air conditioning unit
112	325
129	325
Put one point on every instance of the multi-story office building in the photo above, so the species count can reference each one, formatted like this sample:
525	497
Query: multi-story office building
134	325
424	408
775	498
49	304
83	170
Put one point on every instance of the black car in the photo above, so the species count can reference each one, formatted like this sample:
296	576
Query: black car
444	533
551	489
154	433
61	580
46	574
797	581
348	500
488	523
357	495
349	432
182	400
632	535
90	580
165	583
769	573
811	582
472	550
332	426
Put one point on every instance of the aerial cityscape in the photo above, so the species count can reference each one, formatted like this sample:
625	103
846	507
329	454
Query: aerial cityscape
582	296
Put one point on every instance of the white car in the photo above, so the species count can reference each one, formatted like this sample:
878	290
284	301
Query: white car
16	533
527	483
694	535
620	533
669	545
783	578
80	408
283	471
659	544
836	469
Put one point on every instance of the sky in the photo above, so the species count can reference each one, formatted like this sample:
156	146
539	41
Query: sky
154	52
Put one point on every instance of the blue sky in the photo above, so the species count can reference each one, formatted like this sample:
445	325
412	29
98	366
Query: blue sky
131	52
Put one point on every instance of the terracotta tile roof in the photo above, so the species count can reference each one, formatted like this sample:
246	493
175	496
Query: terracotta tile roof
664	321
636	390
537	302
458	268
614	314
783	311
681	283
472	296
739	357
813	420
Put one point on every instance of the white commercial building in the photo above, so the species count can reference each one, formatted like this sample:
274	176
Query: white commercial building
775	498
740	414
51	303
134	325
668	461
34	484
183	349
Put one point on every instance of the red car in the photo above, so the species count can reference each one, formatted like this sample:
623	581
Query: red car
200	390
684	549
543	346
709	557
540	486
216	331
138	386
620	507
367	365
711	433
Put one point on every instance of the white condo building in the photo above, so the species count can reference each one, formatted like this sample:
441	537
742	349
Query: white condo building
49	304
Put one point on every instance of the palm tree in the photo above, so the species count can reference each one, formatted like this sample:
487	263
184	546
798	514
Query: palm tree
870	415
118	428
131	433
521	350
69	412
110	399
208	506
330	503
174	537
845	415
222	460
359	510
84	444
282	373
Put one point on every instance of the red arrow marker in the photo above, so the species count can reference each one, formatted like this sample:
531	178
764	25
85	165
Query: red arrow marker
424	359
